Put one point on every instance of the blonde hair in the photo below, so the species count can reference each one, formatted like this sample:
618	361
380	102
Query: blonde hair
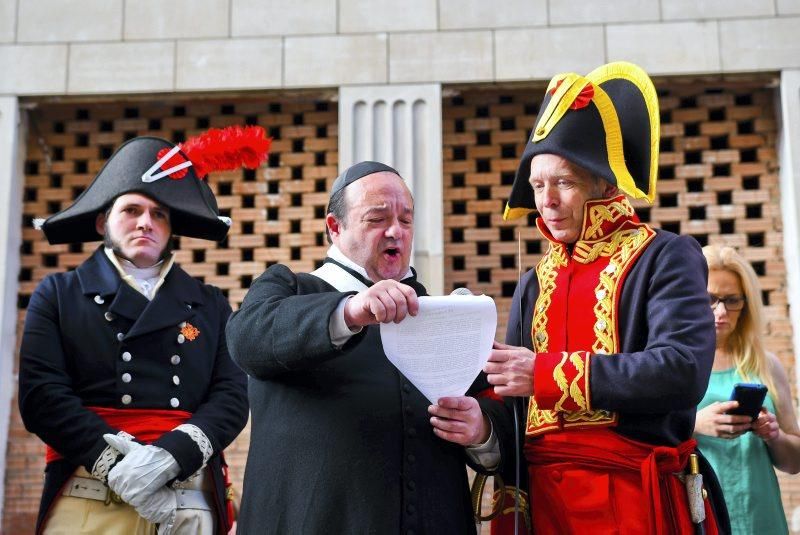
745	343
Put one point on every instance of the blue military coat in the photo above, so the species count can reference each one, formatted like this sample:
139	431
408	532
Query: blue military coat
90	340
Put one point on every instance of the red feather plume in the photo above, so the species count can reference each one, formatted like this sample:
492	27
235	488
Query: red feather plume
227	148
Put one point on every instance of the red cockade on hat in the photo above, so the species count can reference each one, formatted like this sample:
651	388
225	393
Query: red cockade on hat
582	100
174	161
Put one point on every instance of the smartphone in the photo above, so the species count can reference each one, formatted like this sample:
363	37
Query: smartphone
750	397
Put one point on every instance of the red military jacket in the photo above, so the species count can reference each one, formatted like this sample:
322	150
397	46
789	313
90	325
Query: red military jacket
620	324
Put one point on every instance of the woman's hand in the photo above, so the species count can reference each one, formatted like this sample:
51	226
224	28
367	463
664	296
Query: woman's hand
766	425
714	422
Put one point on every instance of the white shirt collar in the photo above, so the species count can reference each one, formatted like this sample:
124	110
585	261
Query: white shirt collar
146	280
336	254
140	273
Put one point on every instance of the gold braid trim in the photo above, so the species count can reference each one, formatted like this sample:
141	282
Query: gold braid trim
605	213
627	244
604	326
540	420
589	418
630	242
586	252
561	380
575	387
546	272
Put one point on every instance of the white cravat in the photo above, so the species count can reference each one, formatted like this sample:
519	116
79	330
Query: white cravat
146	280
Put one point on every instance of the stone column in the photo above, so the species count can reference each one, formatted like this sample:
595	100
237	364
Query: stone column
789	150
401	125
12	150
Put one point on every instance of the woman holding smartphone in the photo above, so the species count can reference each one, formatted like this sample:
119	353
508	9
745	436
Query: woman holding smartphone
743	452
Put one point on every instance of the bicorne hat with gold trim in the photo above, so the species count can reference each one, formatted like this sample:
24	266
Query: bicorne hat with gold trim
606	122
173	175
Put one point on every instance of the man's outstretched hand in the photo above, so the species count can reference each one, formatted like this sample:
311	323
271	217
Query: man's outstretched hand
510	370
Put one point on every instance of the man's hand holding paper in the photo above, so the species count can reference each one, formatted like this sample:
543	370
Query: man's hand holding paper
442	350
460	420
386	301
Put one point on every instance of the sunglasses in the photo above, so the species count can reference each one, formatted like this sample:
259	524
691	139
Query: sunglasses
732	302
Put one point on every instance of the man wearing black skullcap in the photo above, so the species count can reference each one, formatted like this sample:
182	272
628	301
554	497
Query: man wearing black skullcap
341	442
124	369
611	338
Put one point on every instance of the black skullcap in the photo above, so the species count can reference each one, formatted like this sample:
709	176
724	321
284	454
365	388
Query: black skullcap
359	170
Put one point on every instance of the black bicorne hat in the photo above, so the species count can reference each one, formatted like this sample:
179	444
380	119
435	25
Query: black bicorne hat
607	123
170	175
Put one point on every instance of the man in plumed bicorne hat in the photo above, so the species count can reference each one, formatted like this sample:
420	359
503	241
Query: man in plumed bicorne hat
610	338
124	367
341	441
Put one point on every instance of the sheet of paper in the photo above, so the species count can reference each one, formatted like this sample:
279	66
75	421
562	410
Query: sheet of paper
443	348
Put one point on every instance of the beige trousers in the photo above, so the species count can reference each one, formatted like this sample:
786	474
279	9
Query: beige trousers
84	516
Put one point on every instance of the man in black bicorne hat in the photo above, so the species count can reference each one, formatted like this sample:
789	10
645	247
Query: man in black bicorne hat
341	442
611	338
124	368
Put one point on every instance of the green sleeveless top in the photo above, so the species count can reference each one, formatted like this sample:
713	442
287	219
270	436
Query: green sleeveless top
744	469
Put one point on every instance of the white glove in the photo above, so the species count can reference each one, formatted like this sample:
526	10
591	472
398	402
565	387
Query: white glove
160	508
143	470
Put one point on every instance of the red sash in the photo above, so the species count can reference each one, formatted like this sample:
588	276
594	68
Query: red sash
596	481
146	425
